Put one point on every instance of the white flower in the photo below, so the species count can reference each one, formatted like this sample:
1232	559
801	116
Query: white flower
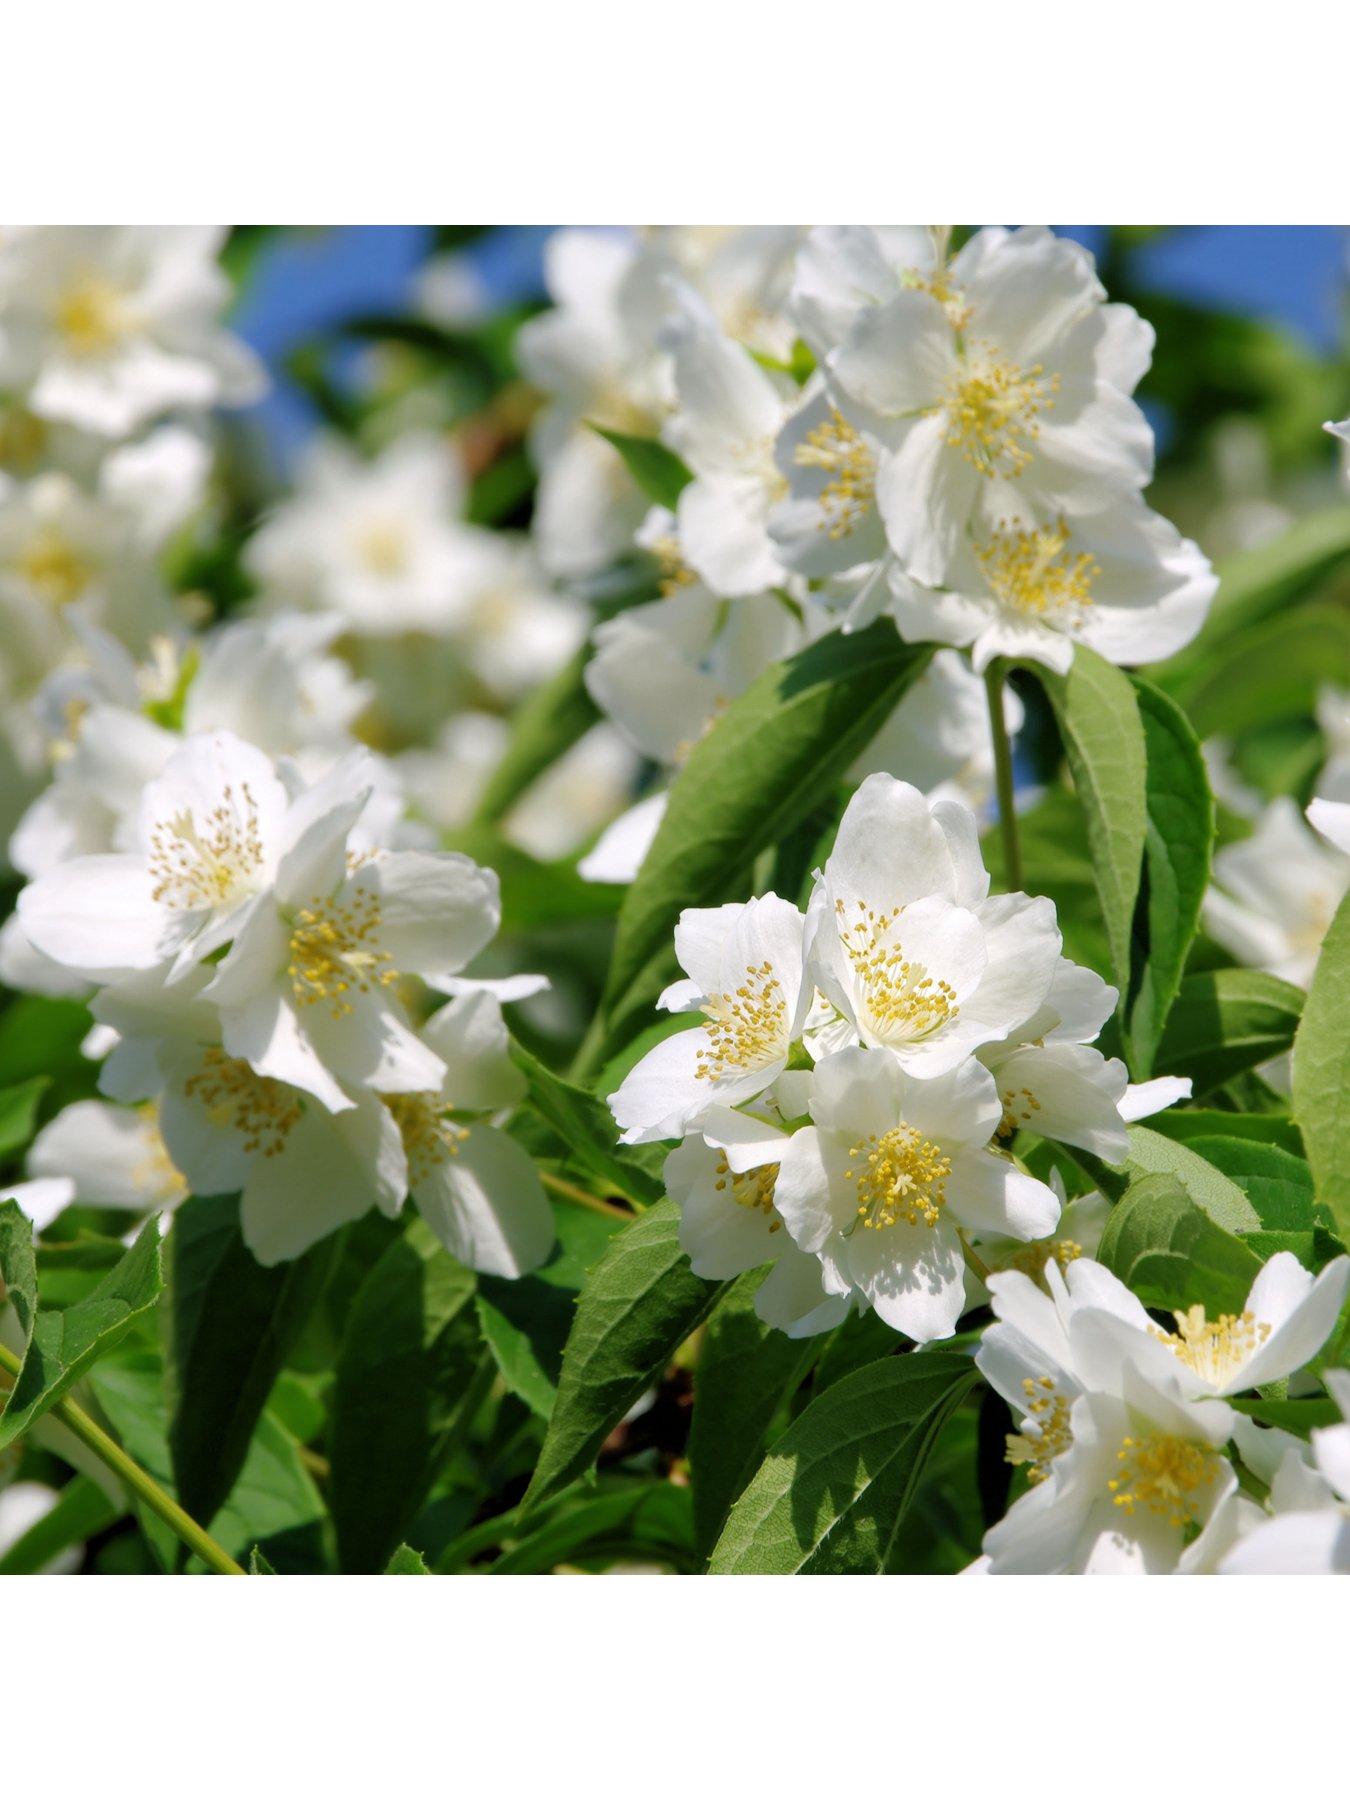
108	326
743	273
1332	819
1000	382
598	358
1288	1316
881	1184
725	426
905	943
1122	580
377	542
41	1200
744	969
1309	1496
842	270
728	1224
113	1155
826	517
1275	893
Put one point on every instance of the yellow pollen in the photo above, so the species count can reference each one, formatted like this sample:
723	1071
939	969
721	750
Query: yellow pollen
1214	1348
208	864
1031	1259
335	951
904	1177
752	1189
92	315
675	571
993	409
235	1096
383	548
904	1000
1048	1416
1165	1475
1018	1107
745	1029
1035	574
428	1136
836	449
49	563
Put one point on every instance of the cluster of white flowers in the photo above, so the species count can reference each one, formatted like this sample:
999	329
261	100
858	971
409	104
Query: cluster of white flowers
1128	1441
962	453
846	1103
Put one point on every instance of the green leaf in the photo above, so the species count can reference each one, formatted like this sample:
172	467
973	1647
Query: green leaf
1298	1416
745	1371
525	1322
1177	843
587	1127
660	474
82	1510
548	723
66	1345
1279	1185
647	1522
1173	1255
640	1304
1261	1128
232	1324
258	1563
832	1495
1322	1071
1097	712
18	1114
18	1268
407	1381
1257	584
406	1561
274	1504
1226	1021
773	755
1211	1190
1269	674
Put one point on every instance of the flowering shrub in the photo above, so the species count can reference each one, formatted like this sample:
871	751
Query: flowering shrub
706	943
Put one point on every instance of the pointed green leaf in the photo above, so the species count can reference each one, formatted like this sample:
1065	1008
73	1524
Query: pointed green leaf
407	1381
66	1345
586	1126
660	474
18	1114
1226	1021
1173	1255
406	1561
832	1495
745	1371
232	1324
640	1304
1178	840
1322	1071
1221	1199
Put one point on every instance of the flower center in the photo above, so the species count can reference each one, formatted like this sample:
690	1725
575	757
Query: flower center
207	864
383	548
903	999
752	1188
1048	1430
1035	574
993	409
675	571
335	951
50	564
904	1177
429	1138
1214	1348
1165	1475
261	1110
91	315
745	1029
836	449
1031	1259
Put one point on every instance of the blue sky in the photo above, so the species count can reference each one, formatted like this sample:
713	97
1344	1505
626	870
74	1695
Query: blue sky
1294	274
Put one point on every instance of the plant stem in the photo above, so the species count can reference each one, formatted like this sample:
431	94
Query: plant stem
77	1420
974	1261
1003	775
579	1197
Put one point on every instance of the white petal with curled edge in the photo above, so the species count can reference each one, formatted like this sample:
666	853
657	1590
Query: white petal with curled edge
486	1205
96	915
